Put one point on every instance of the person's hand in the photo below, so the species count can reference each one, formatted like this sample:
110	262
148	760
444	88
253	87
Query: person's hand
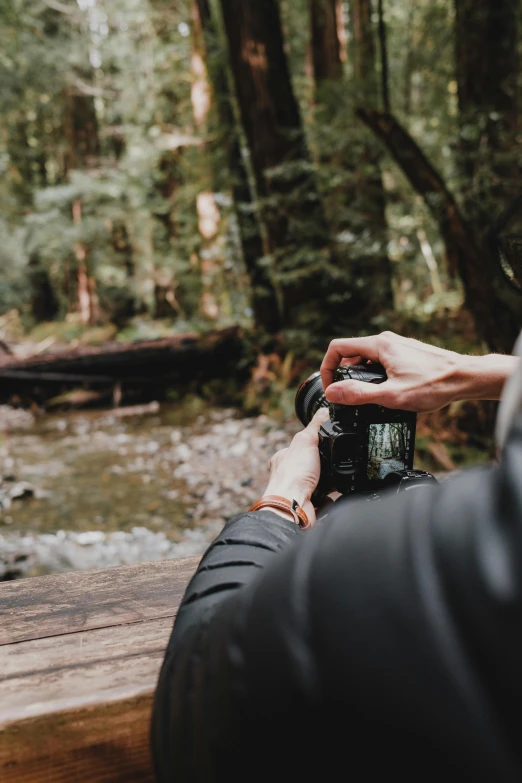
421	377
294	472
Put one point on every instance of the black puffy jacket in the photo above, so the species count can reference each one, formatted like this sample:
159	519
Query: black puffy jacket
385	642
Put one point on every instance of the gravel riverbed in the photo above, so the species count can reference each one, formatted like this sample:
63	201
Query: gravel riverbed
99	489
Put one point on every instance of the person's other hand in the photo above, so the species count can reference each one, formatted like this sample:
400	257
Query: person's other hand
421	377
294	472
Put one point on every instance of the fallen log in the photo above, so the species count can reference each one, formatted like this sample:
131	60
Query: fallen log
140	371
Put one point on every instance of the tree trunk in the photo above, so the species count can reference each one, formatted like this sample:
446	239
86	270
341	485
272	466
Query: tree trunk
370	201
357	205
44	304
297	231
326	45
211	260
81	131
487	67
86	285
495	309
264	300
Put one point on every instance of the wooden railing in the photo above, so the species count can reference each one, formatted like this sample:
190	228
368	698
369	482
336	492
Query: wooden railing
80	655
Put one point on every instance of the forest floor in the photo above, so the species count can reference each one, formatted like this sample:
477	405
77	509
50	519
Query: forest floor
96	488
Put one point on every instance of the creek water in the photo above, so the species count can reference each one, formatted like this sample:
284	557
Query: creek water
105	488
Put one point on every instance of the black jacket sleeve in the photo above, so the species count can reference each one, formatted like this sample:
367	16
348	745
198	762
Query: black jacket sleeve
386	640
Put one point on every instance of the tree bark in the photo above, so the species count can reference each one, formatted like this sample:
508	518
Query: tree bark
364	49
86	285
493	306
297	232
264	299
383	45
370	199
326	45
44	303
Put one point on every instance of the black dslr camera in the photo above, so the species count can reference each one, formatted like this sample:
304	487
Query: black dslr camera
366	448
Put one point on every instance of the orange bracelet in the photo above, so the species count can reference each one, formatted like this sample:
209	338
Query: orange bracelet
283	504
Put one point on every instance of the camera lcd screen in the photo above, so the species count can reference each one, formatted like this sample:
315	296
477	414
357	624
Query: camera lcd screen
388	448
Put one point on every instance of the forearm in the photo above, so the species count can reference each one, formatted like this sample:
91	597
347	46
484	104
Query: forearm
185	700
421	377
242	549
483	377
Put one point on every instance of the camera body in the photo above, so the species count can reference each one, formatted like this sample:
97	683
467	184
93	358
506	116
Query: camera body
364	449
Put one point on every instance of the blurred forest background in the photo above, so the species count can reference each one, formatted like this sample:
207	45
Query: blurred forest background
296	170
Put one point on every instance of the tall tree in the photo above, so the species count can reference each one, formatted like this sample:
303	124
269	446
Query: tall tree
82	151
263	295
370	200
293	214
348	158
325	40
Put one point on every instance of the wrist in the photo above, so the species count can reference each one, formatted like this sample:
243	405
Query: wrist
284	507
483	377
290	491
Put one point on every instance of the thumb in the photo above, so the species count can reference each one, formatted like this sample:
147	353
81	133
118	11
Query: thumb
319	417
356	393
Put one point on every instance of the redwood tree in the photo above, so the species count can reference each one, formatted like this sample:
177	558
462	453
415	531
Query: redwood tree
263	294
297	232
326	47
356	204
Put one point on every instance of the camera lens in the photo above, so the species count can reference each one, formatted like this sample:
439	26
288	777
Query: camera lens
309	398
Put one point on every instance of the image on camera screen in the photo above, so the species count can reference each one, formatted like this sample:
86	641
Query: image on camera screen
388	447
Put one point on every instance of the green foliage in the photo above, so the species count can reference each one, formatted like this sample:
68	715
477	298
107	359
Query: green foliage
100	150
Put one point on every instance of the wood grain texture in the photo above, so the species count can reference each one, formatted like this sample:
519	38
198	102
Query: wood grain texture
80	655
106	743
76	670
68	603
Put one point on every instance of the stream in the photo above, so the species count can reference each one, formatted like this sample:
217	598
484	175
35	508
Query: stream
94	489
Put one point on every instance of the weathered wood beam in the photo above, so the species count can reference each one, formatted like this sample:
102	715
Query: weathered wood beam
80	655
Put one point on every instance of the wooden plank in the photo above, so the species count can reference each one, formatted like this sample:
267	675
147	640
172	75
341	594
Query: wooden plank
68	603
45	676
80	655
99	744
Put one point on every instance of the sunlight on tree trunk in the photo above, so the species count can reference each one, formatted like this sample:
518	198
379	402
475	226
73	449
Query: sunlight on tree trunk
209	217
431	261
199	90
87	298
262	293
292	210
